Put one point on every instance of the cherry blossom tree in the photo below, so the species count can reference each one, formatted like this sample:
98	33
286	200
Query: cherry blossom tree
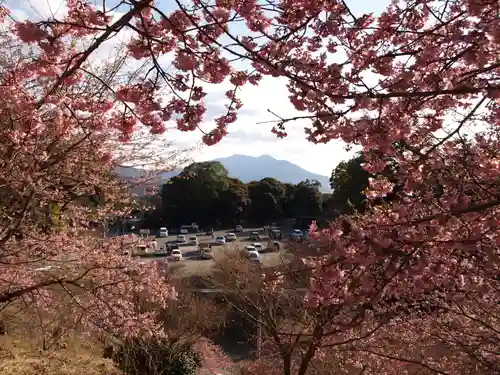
416	84
292	337
58	157
421	335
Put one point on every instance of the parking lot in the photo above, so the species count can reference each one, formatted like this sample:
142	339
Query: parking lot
192	264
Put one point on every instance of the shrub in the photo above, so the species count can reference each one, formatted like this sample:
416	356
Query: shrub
157	357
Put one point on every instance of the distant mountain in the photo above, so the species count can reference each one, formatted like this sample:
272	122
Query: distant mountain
248	168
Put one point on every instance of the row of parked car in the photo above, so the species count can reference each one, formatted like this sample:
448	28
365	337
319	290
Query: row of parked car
185	229
152	249
188	240
193	228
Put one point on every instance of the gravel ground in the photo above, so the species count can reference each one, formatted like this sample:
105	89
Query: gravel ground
192	265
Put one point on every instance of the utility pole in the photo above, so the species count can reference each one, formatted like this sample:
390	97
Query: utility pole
259	337
104	229
259	325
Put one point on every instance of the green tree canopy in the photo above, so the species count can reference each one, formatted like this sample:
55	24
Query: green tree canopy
192	195
348	181
268	197
306	199
233	202
205	194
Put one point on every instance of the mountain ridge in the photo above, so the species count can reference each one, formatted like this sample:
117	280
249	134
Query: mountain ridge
249	168
254	168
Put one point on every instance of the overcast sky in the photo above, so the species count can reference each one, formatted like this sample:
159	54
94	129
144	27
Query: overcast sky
249	135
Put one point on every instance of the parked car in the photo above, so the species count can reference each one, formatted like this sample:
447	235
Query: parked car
167	250
163	232
250	248
254	256
275	234
193	240
230	237
193	228
257	246
161	252
176	254
171	247
254	236
206	253
296	235
181	238
220	240
238	228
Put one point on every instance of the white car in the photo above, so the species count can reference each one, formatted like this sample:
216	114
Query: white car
250	248
220	240
207	253
176	255
258	246
193	240
238	228
163	232
230	237
254	256
255	236
181	238
184	231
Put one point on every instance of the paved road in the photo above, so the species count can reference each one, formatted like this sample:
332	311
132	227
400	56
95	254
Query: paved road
192	264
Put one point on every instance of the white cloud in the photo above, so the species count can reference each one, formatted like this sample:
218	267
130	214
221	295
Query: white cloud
37	9
251	133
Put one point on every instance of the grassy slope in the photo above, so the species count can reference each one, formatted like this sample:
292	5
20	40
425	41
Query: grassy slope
16	358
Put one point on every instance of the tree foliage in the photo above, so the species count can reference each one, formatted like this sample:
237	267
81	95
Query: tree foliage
211	198
58	151
195	192
349	181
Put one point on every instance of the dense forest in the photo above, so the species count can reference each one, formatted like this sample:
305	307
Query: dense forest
204	193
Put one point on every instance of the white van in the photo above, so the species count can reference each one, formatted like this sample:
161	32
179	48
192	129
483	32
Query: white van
163	232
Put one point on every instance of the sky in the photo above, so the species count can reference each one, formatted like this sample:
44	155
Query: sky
250	134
